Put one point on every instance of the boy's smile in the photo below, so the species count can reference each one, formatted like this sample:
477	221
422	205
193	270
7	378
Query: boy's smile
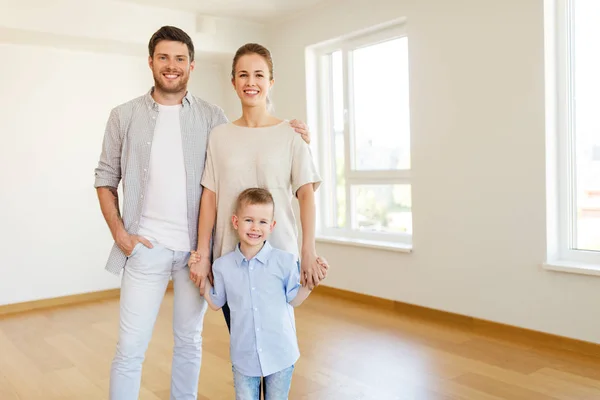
254	224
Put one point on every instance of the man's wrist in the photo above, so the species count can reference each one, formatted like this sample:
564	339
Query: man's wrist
121	235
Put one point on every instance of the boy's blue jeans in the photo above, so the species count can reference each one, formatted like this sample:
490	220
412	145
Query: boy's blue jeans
277	385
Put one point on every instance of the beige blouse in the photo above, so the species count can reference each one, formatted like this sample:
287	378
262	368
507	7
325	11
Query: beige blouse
275	158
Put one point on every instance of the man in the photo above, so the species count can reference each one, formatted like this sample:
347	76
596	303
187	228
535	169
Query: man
156	144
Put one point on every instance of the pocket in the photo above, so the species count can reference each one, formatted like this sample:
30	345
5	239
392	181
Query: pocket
135	249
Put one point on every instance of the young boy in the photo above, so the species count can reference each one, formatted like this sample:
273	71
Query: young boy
261	284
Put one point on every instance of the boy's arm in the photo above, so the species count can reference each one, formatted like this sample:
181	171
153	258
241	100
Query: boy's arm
216	296
207	296
302	295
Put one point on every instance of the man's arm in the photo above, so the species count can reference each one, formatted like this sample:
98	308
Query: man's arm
108	176
109	204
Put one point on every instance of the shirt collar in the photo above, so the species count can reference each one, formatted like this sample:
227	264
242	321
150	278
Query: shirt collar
188	99
262	255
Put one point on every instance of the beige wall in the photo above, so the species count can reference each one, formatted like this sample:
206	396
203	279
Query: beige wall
478	151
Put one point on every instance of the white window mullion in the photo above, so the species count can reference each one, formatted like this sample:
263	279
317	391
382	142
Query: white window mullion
348	134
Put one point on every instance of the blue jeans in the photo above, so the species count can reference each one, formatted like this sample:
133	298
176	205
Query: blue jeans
277	385
145	279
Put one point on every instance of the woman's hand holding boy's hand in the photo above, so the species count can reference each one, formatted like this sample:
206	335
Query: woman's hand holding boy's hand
313	269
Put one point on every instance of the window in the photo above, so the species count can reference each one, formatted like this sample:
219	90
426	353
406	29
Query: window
362	106
575	191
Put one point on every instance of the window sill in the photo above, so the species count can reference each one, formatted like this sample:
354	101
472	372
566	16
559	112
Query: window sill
373	244
572	267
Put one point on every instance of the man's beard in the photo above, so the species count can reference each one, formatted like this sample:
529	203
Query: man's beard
180	87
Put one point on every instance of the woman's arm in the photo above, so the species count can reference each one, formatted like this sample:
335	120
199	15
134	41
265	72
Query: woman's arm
199	271
311	271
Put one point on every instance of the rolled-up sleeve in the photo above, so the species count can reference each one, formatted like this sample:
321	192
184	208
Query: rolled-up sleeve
292	283
217	292
108	172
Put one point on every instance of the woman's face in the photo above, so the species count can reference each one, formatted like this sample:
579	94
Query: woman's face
251	81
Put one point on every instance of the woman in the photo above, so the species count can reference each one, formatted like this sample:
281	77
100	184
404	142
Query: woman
257	150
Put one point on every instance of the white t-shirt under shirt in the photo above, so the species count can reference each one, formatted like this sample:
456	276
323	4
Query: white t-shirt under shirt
164	214
275	158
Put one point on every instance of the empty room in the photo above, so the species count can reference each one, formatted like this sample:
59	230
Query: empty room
359	200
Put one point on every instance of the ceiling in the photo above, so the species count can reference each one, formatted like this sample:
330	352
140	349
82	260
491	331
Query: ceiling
253	10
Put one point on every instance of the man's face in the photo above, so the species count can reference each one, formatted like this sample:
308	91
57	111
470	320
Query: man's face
171	66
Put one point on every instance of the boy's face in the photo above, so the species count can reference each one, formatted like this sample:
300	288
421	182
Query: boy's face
254	223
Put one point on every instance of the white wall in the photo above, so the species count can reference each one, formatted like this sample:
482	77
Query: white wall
60	77
477	114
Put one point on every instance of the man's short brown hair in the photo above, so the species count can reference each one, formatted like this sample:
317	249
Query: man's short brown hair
172	34
253	196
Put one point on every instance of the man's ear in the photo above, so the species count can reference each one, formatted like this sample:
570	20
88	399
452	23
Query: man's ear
273	225
234	221
150	61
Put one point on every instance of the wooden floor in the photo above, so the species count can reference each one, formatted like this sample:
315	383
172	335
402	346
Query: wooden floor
349	351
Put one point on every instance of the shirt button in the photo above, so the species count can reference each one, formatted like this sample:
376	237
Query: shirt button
255	309
147	142
257	329
252	288
260	350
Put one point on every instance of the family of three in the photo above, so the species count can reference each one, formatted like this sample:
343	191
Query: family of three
201	198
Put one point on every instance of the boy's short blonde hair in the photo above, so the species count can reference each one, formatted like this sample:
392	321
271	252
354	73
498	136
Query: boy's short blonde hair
253	196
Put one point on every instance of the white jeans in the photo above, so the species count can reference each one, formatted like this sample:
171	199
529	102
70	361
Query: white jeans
143	286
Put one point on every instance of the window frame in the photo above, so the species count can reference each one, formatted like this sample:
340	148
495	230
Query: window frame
321	102
560	146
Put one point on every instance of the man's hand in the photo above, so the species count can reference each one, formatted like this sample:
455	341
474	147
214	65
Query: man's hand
127	242
301	128
313	270
200	270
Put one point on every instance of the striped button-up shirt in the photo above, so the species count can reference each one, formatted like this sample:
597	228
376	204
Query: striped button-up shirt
126	156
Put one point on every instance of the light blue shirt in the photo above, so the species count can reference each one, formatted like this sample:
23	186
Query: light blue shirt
258	292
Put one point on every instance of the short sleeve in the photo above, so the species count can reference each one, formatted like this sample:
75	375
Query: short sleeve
219	117
292	283
209	178
303	167
217	292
